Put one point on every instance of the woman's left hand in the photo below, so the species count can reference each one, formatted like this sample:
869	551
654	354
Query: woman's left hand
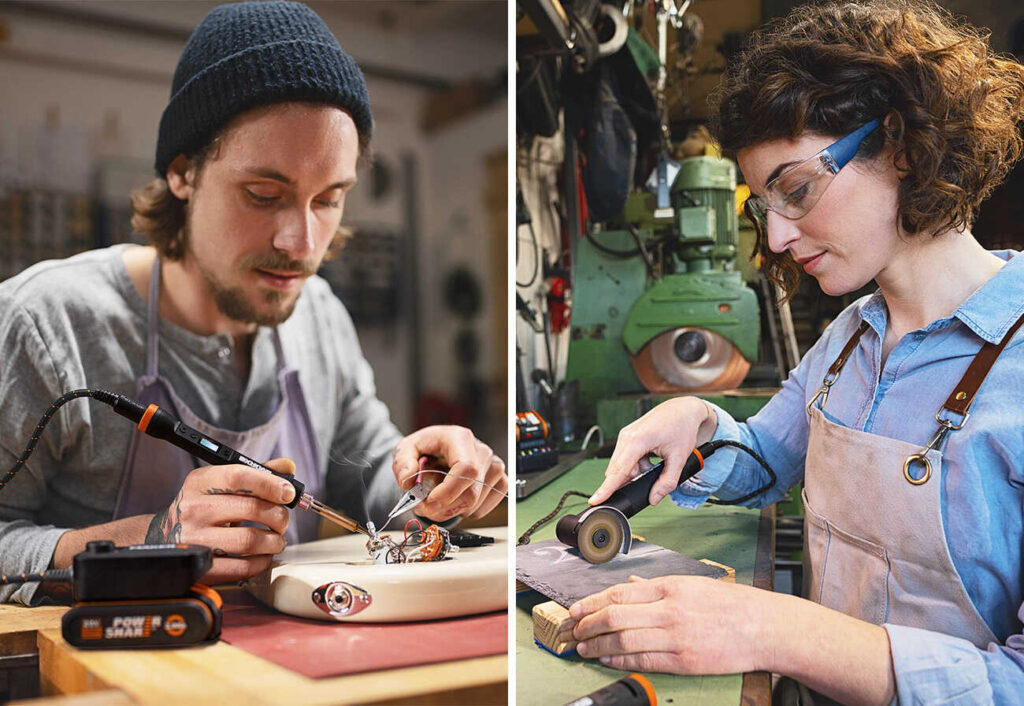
677	624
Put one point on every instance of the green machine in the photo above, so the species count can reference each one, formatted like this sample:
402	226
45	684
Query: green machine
659	308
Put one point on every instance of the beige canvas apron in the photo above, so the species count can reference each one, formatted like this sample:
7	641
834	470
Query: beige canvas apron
874	544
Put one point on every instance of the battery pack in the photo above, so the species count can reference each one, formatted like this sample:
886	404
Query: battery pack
141	596
146	624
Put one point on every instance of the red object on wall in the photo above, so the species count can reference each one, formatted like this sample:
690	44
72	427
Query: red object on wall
558	308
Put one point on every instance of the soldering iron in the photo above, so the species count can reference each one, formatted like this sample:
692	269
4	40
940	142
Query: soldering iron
161	424
148	595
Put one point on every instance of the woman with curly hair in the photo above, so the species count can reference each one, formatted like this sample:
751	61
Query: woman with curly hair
869	133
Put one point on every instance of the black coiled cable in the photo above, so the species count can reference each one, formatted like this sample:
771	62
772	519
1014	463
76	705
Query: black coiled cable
100	395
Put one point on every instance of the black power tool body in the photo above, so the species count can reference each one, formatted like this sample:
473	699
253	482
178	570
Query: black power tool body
602	531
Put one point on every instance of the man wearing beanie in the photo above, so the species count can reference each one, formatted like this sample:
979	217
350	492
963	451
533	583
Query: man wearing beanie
222	321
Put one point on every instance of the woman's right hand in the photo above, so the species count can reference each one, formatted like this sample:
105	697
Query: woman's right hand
671	430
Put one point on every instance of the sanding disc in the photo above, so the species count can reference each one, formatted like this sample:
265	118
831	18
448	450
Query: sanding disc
599	537
690	360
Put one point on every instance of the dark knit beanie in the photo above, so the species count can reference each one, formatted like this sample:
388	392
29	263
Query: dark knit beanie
248	54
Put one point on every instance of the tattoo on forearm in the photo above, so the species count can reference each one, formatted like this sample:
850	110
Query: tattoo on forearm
228	491
173	529
166	525
154	535
57	592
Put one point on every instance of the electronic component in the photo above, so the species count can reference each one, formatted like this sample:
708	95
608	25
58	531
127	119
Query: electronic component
433	544
421	545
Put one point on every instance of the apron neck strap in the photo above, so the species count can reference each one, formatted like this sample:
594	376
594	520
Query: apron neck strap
282	365
960	399
833	371
153	318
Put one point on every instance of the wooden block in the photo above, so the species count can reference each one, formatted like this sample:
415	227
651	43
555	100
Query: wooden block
552	627
19	624
730	573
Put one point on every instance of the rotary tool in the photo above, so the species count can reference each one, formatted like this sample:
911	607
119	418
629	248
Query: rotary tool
602	531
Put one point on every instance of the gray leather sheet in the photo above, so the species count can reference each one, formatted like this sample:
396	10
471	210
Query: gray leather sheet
561	574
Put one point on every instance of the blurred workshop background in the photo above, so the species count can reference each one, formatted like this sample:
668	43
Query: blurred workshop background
82	88
632	289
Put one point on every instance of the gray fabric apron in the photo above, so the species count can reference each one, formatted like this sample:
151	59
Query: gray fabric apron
154	470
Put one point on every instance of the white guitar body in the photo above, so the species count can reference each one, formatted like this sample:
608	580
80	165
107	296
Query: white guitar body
335	580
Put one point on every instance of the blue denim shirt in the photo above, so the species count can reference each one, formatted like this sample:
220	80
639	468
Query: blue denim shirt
982	468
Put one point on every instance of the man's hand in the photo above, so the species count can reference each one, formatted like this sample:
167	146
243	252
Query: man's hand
476	480
676	624
671	430
209	508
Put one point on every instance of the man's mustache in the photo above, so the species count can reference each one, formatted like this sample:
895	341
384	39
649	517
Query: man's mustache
279	262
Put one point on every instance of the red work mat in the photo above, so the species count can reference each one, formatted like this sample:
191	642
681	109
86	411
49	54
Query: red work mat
319	649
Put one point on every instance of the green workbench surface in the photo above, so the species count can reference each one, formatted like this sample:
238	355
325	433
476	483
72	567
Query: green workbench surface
727	535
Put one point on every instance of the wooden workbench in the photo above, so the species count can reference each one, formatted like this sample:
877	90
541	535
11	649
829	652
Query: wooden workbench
737	537
222	674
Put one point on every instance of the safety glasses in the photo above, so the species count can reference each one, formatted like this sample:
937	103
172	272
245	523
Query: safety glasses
795	191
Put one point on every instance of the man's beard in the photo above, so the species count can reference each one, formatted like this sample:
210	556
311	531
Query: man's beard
233	302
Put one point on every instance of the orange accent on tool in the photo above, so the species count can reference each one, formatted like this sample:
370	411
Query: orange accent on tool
647	686
699	457
209	593
146	416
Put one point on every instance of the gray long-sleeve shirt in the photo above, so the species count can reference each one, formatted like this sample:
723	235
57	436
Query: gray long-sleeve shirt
80	322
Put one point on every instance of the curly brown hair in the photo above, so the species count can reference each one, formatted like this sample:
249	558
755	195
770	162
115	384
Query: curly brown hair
161	216
951	107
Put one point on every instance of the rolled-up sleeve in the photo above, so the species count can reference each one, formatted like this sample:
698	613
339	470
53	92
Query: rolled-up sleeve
933	668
